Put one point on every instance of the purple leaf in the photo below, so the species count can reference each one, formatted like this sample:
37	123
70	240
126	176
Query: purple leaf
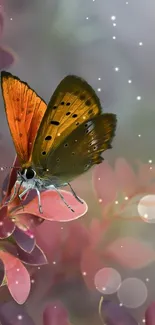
13	314
36	257
24	241
2	273
113	314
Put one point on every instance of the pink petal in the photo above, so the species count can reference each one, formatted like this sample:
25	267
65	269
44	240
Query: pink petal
1	23
126	178
7	58
55	314
130	252
12	177
36	257
150	314
90	265
18	279
13	314
97	230
24	241
2	273
6	225
55	209
104	183
145	174
26	221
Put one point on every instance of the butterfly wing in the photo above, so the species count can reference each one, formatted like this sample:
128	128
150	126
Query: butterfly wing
73	102
24	111
81	149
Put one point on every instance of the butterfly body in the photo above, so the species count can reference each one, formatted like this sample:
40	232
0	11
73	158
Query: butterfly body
55	143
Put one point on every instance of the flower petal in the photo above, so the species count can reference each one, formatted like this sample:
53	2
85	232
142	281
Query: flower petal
54	207
130	252
13	314
150	314
126	178
18	279
1	23
113	314
104	183
6	225
26	221
24	241
2	273
7	58
90	264
55	314
36	257
12	177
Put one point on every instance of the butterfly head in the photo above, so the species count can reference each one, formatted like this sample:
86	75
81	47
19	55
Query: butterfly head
26	174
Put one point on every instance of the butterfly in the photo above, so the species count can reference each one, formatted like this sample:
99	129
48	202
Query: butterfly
56	142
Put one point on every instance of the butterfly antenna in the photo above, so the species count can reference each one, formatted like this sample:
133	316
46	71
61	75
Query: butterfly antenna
100	311
74	194
12	167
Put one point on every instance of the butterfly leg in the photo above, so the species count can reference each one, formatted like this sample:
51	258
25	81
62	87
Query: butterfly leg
74	194
24	192
39	201
13	195
69	207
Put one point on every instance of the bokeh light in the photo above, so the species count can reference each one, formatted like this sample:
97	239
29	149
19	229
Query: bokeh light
146	208
132	292
107	280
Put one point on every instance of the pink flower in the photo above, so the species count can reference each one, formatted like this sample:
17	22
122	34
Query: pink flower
17	226
7	57
53	314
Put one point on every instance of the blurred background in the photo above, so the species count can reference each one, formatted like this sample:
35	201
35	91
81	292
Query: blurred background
110	44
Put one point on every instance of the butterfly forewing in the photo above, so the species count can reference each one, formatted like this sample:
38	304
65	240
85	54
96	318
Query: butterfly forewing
80	150
73	102
24	111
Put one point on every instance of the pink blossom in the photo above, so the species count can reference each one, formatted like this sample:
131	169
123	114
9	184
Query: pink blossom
7	57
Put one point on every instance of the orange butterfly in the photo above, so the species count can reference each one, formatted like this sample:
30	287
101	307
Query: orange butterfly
56	142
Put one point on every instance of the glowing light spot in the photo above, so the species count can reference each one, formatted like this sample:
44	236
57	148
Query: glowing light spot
132	292
87	18
99	78
18	270
2	168
114	24
107	280
62	228
19	317
117	69
98	89
143	320
84	273
54	262
140	43
32	281
16	282
1	223
127	2
139	98
139	135
120	304
126	198
38	267
150	161
116	202
146	208
147	279
58	134
100	200
31	236
114	37
99	179
129	81
11	18
113	18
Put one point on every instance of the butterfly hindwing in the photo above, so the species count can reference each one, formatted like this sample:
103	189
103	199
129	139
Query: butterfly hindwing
24	111
82	148
73	102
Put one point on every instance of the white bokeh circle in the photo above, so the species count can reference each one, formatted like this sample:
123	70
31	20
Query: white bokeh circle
132	293
146	208
107	280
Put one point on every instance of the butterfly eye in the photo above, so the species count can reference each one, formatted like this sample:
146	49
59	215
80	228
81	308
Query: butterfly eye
30	173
